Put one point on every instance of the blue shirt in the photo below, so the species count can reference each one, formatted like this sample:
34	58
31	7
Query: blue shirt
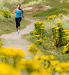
18	13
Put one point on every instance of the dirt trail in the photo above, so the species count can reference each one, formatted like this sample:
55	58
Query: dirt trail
15	36
14	40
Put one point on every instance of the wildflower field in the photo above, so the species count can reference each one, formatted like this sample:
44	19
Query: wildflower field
49	50
51	36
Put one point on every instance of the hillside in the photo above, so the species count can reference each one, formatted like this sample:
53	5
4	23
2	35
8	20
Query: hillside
41	46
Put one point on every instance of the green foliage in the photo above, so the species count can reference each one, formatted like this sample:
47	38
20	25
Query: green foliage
58	34
53	11
6	13
38	32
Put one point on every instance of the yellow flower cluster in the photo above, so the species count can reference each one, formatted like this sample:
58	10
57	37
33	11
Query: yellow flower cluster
44	57
58	34
38	22
29	65
33	49
37	36
44	65
33	32
51	17
1	43
40	41
11	55
53	27
40	65
42	72
38	57
66	37
38	33
6	69
42	26
60	15
53	44
35	67
39	26
6	13
59	23
66	34
55	31
66	48
54	16
59	67
12	52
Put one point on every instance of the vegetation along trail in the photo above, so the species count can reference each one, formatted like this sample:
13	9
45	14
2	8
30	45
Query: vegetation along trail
14	40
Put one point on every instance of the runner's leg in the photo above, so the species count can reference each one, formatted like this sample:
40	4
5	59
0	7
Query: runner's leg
18	27
16	19
19	20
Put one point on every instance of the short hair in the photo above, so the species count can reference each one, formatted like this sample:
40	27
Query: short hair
18	4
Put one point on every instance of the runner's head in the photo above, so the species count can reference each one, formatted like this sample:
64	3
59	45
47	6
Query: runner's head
18	6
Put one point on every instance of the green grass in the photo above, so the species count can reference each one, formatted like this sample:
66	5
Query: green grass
54	3
7	26
52	11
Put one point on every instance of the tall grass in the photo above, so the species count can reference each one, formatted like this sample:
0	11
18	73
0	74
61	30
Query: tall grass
3	7
36	2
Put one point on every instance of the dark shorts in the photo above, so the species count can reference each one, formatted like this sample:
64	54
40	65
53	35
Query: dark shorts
18	20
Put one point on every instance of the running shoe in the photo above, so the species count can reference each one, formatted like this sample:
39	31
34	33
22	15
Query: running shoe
18	30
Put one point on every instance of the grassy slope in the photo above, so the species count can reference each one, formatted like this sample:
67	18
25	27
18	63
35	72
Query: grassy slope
52	11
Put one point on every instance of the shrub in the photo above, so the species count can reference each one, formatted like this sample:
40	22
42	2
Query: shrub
58	34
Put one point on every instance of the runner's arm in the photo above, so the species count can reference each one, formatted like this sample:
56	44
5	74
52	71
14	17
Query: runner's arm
14	11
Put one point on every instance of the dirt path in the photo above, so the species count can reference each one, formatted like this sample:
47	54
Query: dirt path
14	40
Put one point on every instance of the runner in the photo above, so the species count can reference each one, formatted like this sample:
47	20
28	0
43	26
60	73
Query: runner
18	17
